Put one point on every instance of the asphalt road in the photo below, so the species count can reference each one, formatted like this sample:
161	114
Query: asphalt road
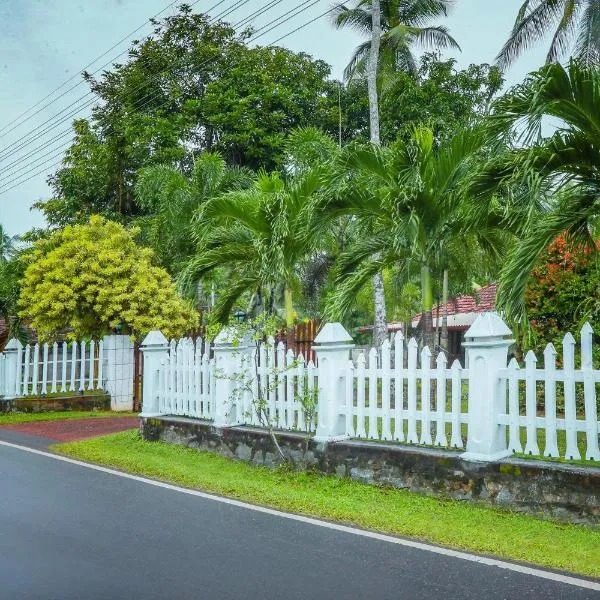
70	532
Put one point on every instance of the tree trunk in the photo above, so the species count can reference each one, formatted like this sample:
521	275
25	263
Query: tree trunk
380	324
444	339
427	305
290	333
372	71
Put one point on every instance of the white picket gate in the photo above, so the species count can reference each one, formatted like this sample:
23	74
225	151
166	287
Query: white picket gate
396	394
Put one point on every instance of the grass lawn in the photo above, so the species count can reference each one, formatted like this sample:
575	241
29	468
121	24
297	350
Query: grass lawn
447	522
10	418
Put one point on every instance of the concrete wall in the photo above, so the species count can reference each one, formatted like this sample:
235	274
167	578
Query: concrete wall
564	492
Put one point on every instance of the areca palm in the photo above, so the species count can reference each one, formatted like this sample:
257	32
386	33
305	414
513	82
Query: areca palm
171	200
563	166
409	198
259	235
576	25
404	24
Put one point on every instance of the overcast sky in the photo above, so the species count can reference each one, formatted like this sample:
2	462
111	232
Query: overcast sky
44	42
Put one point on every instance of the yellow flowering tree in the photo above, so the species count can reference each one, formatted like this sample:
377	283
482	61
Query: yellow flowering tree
93	279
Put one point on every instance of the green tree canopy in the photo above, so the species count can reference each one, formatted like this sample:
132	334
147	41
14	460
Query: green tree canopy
192	86
92	279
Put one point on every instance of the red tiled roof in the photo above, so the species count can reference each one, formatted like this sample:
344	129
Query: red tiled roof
484	302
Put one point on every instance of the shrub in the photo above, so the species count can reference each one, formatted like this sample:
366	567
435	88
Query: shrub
93	279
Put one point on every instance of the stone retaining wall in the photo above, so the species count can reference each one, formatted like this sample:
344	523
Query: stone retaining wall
92	401
564	492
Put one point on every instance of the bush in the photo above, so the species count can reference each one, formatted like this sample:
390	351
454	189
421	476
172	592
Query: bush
93	279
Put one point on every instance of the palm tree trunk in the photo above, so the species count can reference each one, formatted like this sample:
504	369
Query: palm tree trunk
290	333
444	338
372	71
380	324
427	305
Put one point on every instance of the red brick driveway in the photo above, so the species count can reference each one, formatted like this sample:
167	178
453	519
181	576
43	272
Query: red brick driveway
75	429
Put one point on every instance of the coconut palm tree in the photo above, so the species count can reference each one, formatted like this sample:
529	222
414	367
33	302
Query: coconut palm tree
409	198
576	25
171	199
562	169
404	24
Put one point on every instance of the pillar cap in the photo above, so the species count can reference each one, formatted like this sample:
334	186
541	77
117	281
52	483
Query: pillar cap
13	344
333	333
155	338
487	326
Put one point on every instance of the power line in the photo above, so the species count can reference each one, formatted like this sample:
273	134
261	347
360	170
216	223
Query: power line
2	130
18	183
27	139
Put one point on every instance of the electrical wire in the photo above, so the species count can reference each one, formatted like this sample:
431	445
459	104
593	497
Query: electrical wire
3	191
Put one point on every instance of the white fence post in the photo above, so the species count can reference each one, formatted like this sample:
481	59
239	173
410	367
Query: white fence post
155	348
487	352
13	352
228	364
334	345
119	374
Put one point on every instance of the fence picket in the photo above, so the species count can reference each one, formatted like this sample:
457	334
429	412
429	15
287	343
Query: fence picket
386	417
531	445
398	386
426	396
440	388
300	388
513	407
592	451
35	369
360	396
73	365
572	451
44	389
372	376
290	400
551	444
280	403
411	413
63	367
456	437
82	368
54	367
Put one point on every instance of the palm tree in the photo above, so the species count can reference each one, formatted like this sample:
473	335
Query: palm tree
409	198
562	169
171	200
259	236
7	245
575	23
404	24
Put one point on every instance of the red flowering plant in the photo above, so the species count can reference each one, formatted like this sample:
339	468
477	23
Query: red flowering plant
564	292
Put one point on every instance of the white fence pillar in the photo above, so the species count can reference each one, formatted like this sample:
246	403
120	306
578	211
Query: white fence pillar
13	353
118	351
155	348
487	352
334	345
229	365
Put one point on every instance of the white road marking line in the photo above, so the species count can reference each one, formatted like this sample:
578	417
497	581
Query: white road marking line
491	562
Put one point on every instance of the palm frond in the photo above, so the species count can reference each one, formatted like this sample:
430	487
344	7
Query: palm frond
531	28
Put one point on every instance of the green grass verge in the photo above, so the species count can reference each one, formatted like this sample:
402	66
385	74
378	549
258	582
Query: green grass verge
447	522
11	418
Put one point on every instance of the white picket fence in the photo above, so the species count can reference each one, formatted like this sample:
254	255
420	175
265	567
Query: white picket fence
396	394
186	381
524	386
44	369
